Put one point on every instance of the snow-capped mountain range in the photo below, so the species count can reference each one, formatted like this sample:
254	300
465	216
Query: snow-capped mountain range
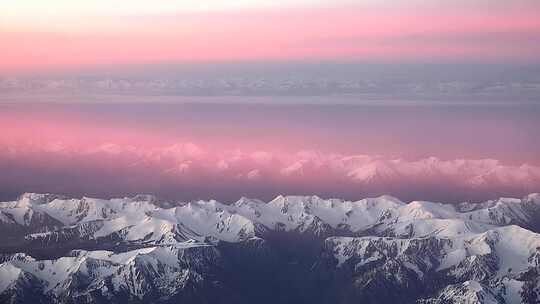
291	249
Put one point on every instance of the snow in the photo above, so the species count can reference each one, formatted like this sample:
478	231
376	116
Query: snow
502	240
156	227
473	286
214	219
74	211
513	290
509	239
437	227
423	236
502	212
533	197
300	211
143	220
8	275
425	210
22	215
513	246
138	219
52	272
453	258
474	292
340	245
56	274
119	258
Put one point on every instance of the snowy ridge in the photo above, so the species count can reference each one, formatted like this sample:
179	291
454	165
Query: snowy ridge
104	270
493	265
140	219
453	251
468	292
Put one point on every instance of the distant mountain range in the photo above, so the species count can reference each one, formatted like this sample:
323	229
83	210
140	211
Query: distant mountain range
293	249
435	87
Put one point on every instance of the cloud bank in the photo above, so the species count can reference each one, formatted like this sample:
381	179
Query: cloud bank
188	171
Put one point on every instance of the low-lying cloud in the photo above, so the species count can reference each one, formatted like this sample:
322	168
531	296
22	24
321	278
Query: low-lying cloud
187	171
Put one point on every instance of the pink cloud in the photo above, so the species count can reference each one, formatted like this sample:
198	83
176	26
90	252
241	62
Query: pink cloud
80	151
189	165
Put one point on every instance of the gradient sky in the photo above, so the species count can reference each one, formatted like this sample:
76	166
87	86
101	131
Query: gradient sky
422	99
58	34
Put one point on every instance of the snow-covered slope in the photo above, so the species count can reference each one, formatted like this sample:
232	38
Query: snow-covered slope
467	293
88	276
496	266
311	213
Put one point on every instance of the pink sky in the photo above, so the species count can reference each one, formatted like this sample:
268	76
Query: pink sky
210	150
410	30
226	152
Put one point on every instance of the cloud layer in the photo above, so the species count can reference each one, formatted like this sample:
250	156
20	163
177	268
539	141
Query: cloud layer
224	151
188	171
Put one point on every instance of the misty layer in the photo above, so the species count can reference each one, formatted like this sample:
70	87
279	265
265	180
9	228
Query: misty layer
186	170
